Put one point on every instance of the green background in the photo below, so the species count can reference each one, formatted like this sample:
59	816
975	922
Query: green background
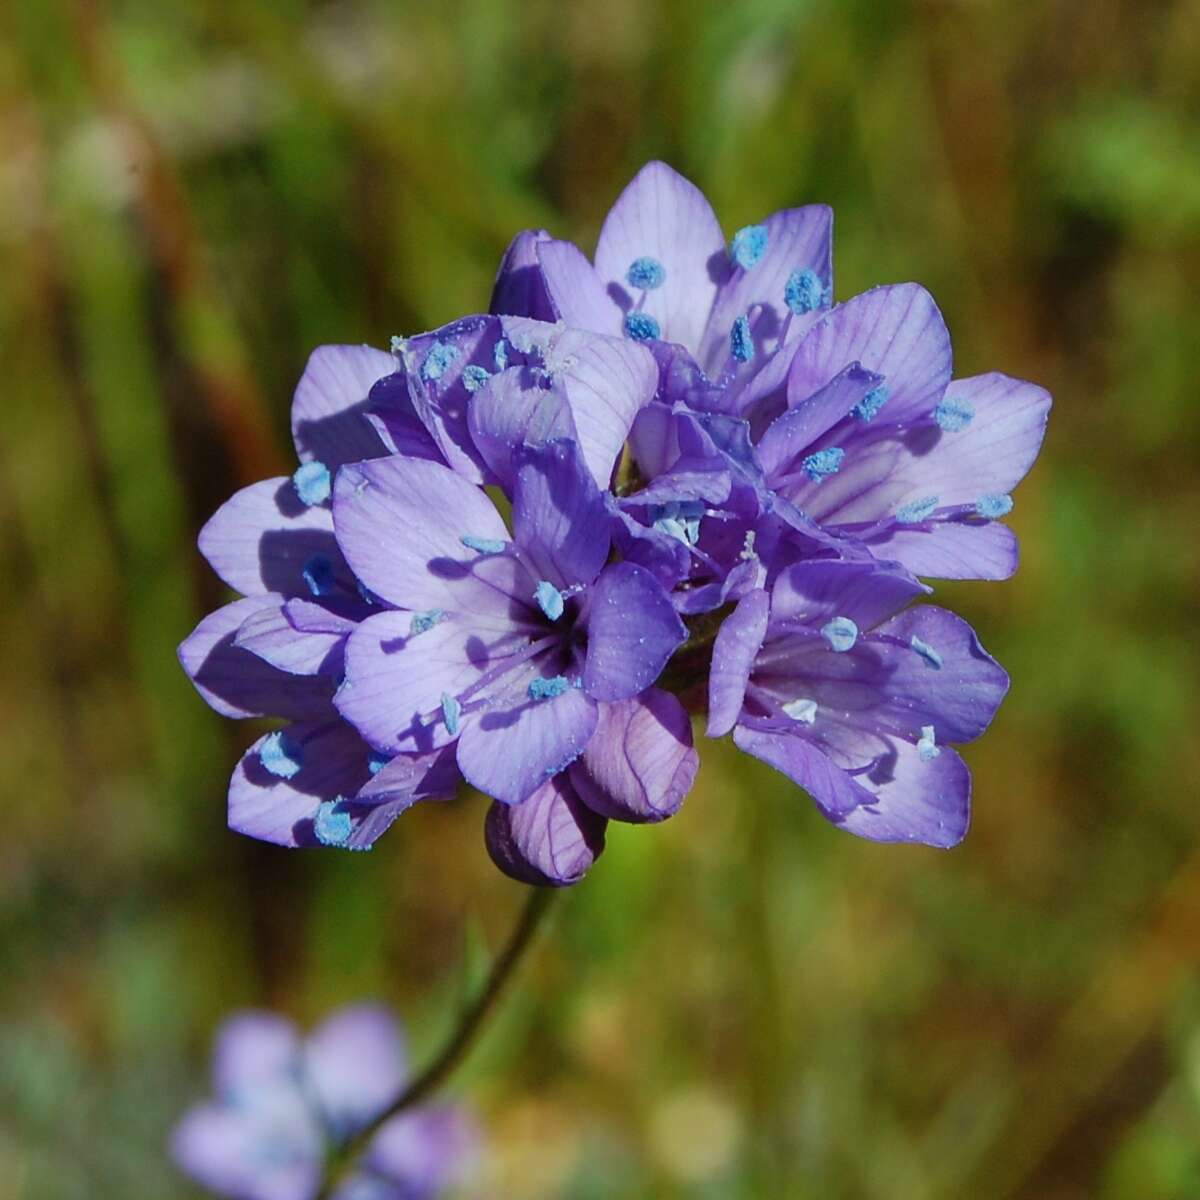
743	1002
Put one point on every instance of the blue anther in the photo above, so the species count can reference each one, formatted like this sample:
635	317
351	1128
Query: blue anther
281	755
547	689
841	633
440	356
927	747
749	245
451	711
804	711
332	824
823	463
804	292
482	545
549	599
398	345
933	660
641	326
318	575
916	510
376	762
500	355
993	506
312	483
679	519
475	376
741	341
867	409
953	415
424	621
646	274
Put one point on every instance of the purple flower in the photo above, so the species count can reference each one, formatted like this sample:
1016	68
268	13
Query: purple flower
282	1102
278	652
530	653
825	679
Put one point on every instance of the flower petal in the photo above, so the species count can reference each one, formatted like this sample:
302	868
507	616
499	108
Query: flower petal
400	523
520	290
395	681
516	409
253	1049
632	630
395	421
952	549
263	537
423	1153
240	684
661	215
738	641
640	763
576	291
607	382
355	1063
550	839
509	754
798	239
865	592
560	520
269	634
328	409
902	799
895	331
332	765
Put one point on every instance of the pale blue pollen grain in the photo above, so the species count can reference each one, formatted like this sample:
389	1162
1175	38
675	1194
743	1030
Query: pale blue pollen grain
280	755
933	660
841	633
424	621
927	747
953	415
547	689
916	510
318	575
549	599
376	762
451	711
867	409
749	245
500	355
475	376
804	292
641	327
646	274
823	463
741	341
312	483
398	345
993	506
332	824
482	545
440	356
801	710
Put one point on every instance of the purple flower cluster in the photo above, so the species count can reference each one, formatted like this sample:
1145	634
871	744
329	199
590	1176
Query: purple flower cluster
281	1103
523	549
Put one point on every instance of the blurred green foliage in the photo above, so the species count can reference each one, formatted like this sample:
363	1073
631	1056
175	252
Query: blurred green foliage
742	1003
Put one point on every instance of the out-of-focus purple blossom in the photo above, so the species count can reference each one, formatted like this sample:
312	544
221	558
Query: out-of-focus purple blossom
282	1103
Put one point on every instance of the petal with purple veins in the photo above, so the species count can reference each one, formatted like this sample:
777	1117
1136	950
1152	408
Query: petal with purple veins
640	763
738	641
550	839
576	290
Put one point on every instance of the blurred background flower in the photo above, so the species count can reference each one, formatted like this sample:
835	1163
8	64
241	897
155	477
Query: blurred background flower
195	194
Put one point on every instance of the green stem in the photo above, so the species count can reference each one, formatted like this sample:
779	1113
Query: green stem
460	1040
